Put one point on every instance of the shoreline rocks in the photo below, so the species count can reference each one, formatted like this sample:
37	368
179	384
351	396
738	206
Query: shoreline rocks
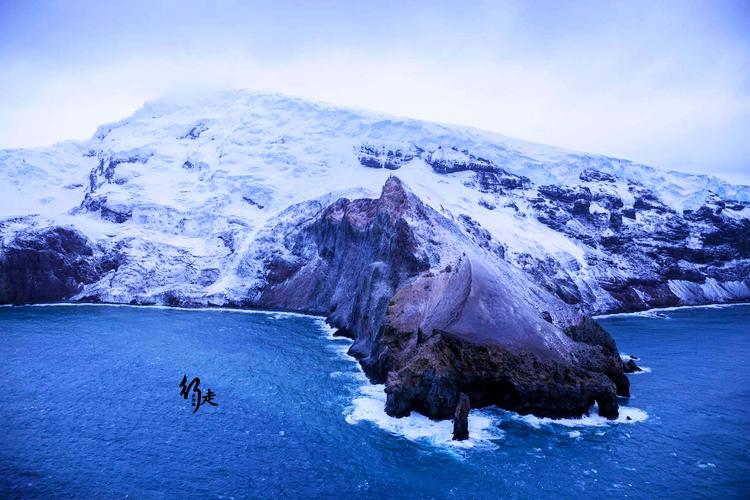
445	366
629	366
461	418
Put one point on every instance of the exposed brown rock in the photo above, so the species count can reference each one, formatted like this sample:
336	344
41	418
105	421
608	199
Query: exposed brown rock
445	366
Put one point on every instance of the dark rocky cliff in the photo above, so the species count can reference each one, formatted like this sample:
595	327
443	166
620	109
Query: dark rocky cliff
47	265
434	316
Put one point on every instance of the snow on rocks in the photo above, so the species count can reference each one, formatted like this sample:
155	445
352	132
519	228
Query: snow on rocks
192	183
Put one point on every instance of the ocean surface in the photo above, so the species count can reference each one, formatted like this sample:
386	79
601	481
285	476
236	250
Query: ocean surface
92	408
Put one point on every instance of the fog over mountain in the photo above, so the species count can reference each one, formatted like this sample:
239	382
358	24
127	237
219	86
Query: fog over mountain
665	84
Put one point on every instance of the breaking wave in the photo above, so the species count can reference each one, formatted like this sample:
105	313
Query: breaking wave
628	415
369	406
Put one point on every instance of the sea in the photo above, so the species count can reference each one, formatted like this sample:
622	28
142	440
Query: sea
149	402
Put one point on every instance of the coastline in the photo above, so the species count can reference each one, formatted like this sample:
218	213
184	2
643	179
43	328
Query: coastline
650	312
251	310
365	398
179	308
367	403
573	446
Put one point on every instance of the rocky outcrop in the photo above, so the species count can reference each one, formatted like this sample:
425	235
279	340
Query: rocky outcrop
629	366
106	172
488	177
371	156
600	353
48	265
347	263
446	365
461	418
433	315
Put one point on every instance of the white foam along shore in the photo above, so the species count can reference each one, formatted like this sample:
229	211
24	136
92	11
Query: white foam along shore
368	405
646	313
628	415
268	312
654	313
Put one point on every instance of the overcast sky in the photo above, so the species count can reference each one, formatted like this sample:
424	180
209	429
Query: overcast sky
666	85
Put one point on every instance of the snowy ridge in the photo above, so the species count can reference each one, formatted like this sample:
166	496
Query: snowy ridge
184	188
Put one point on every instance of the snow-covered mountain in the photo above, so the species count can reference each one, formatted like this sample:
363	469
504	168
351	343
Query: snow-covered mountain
459	261
184	188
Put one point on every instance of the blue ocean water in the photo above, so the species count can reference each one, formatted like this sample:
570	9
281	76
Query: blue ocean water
91	407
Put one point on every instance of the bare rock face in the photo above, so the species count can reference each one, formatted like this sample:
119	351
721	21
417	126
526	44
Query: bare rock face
347	263
663	257
445	366
434	316
599	352
47	265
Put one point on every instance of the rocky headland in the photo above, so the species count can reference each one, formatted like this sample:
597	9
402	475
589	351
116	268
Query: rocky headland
467	279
